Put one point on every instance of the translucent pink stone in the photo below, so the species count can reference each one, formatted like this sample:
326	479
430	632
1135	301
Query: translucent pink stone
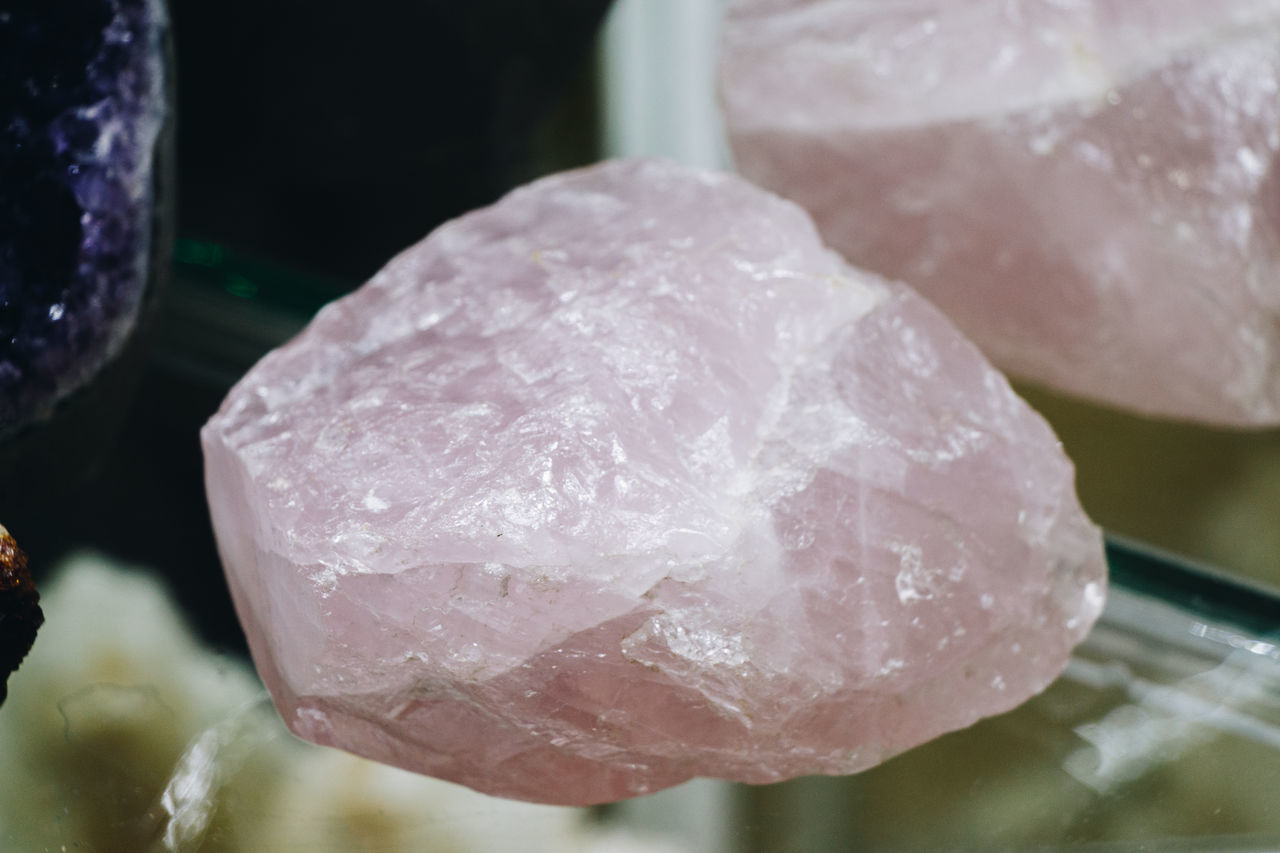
627	479
1089	189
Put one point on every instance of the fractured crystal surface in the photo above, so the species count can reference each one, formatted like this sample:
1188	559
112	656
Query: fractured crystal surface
627	479
1088	189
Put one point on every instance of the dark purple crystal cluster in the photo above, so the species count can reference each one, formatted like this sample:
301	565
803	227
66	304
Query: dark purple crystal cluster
81	106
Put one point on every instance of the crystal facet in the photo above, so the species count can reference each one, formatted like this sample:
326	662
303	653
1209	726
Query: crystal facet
628	479
1088	189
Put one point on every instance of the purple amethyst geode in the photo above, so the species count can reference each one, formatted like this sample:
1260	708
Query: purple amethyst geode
82	104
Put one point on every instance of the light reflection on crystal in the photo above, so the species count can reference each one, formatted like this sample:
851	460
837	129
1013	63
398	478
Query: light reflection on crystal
823	478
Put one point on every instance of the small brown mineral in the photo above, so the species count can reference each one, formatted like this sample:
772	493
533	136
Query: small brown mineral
20	615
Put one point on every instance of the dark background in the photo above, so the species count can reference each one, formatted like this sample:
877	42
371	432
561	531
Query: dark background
313	141
330	135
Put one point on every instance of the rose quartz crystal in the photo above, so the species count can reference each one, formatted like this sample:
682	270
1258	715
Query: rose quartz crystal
627	479
1089	188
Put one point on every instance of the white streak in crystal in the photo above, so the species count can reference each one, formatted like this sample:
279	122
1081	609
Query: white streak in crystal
1252	164
373	503
713	450
913	581
891	666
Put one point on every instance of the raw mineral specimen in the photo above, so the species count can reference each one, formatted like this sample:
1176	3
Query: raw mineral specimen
628	479
82	100
1089	189
20	613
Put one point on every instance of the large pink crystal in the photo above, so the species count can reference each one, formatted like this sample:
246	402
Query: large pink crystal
627	479
1090	189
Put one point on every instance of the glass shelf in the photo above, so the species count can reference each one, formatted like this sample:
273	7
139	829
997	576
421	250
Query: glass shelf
1162	734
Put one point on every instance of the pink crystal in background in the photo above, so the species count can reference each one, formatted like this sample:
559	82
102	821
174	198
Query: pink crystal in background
627	479
1088	189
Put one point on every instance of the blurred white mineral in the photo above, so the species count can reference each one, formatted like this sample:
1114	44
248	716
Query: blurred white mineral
628	479
124	733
